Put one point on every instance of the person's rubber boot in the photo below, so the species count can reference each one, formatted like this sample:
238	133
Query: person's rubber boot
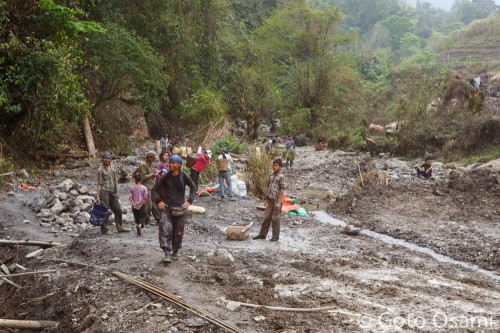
175	256
167	259
138	228
259	237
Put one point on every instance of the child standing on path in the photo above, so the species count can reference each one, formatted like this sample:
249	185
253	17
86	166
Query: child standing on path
138	196
370	143
272	215
290	152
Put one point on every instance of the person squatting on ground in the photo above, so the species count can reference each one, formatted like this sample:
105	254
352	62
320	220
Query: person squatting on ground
320	144
138	197
169	194
107	193
225	165
164	142
370	143
200	165
290	152
425	170
148	171
272	214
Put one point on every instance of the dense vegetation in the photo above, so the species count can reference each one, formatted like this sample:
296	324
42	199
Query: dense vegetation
324	67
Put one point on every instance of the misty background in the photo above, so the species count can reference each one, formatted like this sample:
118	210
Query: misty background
444	4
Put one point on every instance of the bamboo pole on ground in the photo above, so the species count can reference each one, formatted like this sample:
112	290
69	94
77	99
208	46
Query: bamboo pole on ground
30	273
28	324
28	243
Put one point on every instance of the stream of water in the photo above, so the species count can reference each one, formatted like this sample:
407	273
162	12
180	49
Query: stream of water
324	217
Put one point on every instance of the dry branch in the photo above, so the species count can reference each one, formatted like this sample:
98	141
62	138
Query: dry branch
280	308
27	324
3	278
28	243
32	273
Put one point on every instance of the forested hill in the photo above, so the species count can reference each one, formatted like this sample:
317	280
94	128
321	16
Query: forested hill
324	67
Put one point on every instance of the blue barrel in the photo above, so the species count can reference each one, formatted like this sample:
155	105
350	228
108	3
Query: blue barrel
99	213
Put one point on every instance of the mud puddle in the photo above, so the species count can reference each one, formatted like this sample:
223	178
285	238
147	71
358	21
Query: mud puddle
324	217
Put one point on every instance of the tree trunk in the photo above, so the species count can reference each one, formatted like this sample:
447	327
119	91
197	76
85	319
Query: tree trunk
89	140
256	125
249	119
314	116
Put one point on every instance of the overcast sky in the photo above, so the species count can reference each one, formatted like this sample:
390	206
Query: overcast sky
445	4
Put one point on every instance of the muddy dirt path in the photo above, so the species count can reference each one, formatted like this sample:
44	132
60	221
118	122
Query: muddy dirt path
368	285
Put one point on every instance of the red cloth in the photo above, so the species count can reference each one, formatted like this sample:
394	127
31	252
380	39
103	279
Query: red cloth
201	163
26	187
208	190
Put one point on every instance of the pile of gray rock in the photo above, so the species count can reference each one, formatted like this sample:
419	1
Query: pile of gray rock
66	204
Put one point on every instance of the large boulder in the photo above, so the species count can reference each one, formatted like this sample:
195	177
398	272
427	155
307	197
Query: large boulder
66	185
376	130
395	163
391	128
492	165
220	257
302	140
58	208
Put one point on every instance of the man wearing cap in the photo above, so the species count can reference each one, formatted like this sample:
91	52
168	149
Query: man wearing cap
200	165
169	195
148	171
107	193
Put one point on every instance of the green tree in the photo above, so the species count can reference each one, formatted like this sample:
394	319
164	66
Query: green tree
297	46
398	26
410	44
365	14
42	86
429	19
120	61
466	10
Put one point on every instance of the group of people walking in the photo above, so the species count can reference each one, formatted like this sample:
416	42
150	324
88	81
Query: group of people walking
159	191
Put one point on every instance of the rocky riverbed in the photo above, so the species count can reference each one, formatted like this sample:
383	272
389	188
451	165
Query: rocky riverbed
364	284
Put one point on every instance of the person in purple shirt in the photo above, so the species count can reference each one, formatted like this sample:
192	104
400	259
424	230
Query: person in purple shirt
138	196
162	166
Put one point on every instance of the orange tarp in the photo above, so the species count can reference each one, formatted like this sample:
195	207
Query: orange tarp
286	206
26	187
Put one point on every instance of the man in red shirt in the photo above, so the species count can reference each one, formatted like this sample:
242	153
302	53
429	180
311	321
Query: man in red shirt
200	165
